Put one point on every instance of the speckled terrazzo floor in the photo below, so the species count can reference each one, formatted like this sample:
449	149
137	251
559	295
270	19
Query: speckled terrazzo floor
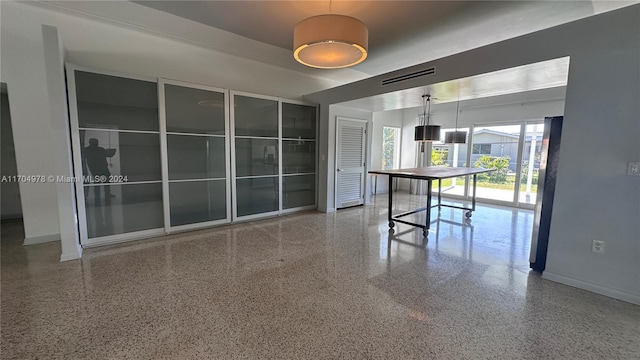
308	286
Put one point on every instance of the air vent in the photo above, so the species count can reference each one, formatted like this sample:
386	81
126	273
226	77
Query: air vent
413	75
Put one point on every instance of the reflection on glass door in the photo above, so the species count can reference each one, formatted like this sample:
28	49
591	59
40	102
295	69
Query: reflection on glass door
118	152
530	168
496	147
197	160
450	155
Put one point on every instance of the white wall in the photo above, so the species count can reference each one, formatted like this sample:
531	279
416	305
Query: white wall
99	45
595	199
380	120
23	69
59	116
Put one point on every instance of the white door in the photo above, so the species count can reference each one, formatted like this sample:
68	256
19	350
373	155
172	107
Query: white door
350	162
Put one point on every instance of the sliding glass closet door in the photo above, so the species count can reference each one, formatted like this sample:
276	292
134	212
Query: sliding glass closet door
158	156
116	131
299	149
256	154
195	121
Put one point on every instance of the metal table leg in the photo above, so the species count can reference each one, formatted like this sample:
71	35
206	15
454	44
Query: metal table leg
473	198
439	194
428	215
390	215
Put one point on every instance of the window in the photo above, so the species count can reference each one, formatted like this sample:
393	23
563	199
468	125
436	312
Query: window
439	155
449	155
390	148
496	147
481	149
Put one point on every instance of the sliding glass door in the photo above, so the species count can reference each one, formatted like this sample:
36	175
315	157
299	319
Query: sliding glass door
450	155
530	165
299	149
155	156
195	123
256	155
117	153
496	147
512	149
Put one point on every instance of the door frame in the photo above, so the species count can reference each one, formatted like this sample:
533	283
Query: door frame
335	160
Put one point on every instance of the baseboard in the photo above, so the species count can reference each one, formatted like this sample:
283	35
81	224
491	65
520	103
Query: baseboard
598	289
72	256
331	210
41	239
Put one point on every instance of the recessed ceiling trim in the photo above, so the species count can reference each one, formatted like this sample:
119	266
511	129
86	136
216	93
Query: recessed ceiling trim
413	75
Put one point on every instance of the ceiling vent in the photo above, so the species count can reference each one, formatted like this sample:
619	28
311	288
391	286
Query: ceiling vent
413	75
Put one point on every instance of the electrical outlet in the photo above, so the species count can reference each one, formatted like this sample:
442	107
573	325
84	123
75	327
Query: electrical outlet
598	246
633	169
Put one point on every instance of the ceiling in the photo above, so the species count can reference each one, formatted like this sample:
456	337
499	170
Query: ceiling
401	33
514	85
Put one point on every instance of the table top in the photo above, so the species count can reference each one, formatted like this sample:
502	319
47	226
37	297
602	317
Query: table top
431	172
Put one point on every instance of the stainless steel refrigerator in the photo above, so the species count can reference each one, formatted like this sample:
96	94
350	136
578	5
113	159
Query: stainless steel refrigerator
547	175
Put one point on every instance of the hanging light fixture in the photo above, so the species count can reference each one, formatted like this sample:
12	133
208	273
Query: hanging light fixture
424	131
456	137
330	41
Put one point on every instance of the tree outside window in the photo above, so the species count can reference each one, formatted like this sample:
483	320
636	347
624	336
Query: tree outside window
439	156
390	148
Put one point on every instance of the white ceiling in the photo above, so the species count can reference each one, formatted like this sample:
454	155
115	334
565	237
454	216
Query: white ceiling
401	34
405	33
490	87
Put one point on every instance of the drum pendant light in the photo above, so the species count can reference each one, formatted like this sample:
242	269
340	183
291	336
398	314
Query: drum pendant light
330	41
456	137
425	132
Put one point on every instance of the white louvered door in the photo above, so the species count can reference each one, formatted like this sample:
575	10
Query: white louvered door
350	163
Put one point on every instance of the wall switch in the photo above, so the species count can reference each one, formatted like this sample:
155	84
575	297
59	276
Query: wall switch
598	246
633	168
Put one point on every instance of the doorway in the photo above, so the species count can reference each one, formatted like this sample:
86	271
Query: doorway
11	206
